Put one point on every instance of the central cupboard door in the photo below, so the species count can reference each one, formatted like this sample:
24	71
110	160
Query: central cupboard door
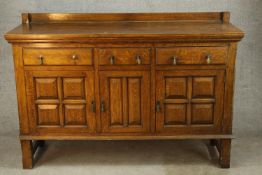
125	101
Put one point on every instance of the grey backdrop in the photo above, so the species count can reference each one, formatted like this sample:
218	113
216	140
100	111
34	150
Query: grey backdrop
246	14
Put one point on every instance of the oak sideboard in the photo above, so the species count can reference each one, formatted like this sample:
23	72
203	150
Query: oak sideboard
125	76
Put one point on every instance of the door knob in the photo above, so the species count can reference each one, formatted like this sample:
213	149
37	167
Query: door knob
74	57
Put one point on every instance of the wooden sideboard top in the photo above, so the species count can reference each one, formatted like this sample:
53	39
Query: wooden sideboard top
50	27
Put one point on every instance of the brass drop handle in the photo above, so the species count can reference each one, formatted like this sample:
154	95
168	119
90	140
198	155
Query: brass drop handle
112	59
158	106
103	106
93	106
174	60
74	57
138	59
41	58
209	58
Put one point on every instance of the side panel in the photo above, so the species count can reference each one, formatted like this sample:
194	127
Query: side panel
21	90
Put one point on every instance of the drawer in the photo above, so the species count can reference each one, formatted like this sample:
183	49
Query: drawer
124	56
57	56
191	55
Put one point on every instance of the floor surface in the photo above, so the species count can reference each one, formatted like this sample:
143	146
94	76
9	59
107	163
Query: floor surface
132	157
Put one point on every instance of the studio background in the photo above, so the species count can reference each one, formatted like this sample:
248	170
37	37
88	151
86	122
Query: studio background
245	14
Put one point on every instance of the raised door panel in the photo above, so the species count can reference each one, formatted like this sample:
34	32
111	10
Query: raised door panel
189	101
116	101
203	99
126	101
75	114
42	84
60	101
74	88
134	101
175	114
48	114
202	113
176	87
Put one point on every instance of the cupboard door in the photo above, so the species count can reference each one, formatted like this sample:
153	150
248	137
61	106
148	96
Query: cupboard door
60	101
125	101
189	101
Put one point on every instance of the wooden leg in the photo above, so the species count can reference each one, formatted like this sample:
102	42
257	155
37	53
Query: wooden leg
225	147
27	154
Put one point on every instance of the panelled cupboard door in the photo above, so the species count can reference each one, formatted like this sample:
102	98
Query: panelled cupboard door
125	101
189	101
61	101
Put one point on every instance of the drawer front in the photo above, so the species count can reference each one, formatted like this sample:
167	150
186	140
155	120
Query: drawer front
191	55
57	56
124	56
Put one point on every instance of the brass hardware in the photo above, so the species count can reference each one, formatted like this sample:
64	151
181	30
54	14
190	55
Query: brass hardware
174	58
138	59
41	58
103	106
112	59
74	57
209	58
93	106
158	106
